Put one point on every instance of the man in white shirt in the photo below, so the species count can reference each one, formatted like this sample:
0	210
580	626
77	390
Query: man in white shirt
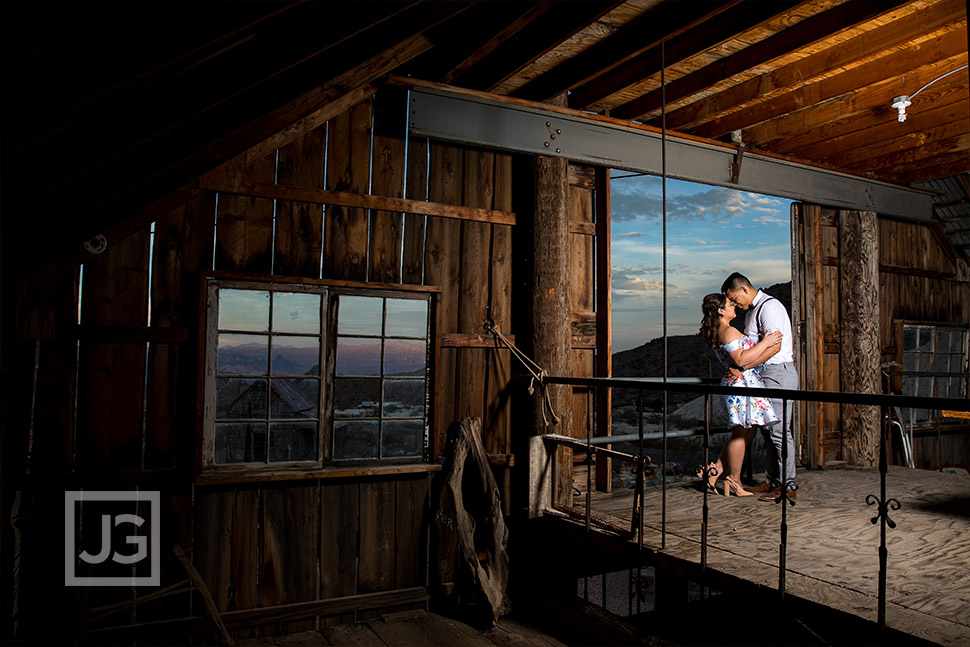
766	314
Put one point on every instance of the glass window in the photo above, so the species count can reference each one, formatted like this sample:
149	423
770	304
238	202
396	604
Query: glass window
929	353
273	396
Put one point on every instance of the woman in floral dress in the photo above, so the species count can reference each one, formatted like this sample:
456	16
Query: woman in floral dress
745	414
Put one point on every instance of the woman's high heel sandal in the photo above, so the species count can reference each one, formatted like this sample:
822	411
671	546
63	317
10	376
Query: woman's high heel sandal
735	486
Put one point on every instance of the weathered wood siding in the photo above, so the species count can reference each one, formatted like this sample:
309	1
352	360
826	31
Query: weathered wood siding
133	364
920	281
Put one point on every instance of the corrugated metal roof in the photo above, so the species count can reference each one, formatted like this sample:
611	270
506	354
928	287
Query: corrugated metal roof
951	208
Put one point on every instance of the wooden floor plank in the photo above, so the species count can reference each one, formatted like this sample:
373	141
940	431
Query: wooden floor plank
832	554
352	635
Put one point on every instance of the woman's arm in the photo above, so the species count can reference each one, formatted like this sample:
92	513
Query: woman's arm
747	357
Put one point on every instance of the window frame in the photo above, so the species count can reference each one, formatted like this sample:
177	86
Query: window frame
934	416
211	284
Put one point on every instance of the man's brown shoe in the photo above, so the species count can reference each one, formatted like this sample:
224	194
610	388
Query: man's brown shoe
775	493
761	488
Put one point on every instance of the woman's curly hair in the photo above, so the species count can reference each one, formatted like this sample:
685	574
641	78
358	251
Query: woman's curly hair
712	318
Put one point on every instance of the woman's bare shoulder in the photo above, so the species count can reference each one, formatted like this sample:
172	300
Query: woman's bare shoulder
728	334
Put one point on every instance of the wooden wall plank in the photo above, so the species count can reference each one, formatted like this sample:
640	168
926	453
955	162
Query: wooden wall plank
298	240
442	263
386	230
244	551
111	377
473	297
411	531
582	295
244	226
377	536
339	543
348	169
289	548
412	265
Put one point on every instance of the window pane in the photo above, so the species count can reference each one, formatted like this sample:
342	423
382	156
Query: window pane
240	398
244	310
925	362
909	361
296	355
405	357
357	398
407	318
942	341
294	398
292	441
925	340
403	438
404	398
360	315
355	439
358	356
299	313
242	354
909	339
240	442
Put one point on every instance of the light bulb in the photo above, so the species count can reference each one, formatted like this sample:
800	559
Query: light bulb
900	103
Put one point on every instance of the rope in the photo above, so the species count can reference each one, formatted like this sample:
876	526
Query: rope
537	372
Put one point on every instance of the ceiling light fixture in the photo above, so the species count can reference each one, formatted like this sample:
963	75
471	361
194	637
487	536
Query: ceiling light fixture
903	101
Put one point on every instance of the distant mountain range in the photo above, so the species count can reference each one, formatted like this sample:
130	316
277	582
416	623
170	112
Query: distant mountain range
400	358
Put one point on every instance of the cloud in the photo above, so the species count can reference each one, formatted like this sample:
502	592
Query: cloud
632	234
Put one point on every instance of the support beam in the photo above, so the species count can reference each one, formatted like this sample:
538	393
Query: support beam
480	119
550	476
859	357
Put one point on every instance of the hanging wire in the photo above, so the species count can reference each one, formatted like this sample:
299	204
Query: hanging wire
942	76
663	183
537	372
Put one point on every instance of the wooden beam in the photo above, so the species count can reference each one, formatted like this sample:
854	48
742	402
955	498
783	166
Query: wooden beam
551	325
740	98
730	24
532	12
470	340
803	33
604	329
364	201
859	106
554	27
649	30
858	324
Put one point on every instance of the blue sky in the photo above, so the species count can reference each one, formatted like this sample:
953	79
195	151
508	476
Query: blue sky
711	232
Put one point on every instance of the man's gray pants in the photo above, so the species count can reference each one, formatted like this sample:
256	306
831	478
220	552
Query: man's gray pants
779	376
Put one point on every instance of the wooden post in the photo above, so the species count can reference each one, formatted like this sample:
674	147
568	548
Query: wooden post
551	330
859	288
604	334
814	347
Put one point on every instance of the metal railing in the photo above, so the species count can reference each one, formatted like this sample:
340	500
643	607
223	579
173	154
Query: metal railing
704	387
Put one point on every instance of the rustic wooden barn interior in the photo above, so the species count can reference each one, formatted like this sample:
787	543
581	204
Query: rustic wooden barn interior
253	255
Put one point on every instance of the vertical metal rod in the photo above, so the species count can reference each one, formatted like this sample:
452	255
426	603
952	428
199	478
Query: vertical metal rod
705	475
883	553
663	180
589	457
640	476
783	546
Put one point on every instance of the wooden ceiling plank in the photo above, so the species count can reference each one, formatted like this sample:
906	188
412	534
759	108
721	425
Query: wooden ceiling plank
920	155
537	39
952	164
744	97
667	20
897	65
532	13
728	25
948	116
803	33
844	113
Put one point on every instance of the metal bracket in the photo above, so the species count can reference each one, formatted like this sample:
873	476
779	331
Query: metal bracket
736	164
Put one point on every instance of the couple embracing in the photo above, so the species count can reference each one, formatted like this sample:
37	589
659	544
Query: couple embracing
761	357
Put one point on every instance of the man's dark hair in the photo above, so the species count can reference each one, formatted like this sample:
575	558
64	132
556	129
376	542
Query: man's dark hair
734	282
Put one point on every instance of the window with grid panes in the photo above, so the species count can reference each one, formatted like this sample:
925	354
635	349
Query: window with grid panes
305	375
938	350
